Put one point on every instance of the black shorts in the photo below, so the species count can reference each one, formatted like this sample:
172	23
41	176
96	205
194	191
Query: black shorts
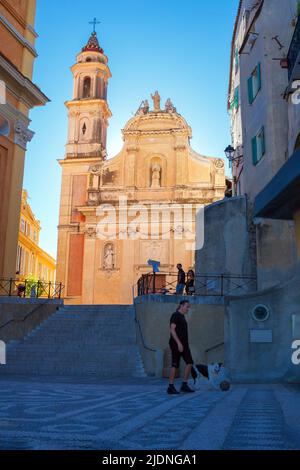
176	355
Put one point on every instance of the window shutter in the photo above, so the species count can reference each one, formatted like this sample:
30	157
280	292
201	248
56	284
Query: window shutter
236	97
250	90
263	142
258	77
254	151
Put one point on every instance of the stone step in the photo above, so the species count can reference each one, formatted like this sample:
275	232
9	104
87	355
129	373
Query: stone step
79	340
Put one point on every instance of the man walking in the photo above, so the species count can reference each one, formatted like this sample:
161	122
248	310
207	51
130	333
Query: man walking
179	344
180	280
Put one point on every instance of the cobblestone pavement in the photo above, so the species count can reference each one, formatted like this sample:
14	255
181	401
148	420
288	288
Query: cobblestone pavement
138	414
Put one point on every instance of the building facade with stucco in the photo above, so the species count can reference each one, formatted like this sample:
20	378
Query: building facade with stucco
117	213
18	95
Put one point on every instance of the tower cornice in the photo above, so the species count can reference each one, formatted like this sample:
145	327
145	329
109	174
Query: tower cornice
89	103
91	66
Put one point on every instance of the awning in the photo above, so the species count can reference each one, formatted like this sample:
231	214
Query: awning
280	198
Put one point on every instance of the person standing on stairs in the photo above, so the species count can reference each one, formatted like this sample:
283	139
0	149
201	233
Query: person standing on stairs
179	344
180	280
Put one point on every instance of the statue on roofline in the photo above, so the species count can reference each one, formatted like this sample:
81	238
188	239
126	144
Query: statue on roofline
156	101
169	107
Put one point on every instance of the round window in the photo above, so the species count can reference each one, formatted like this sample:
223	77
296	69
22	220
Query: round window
260	313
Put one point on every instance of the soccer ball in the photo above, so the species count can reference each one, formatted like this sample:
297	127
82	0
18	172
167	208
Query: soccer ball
224	386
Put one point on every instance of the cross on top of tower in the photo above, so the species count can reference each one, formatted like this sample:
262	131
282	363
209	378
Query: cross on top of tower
94	23
93	44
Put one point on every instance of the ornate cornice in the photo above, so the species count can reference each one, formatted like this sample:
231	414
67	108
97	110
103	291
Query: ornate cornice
22	134
155	132
14	79
174	121
17	35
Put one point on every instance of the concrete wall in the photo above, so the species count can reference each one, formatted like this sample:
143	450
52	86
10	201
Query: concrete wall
276	251
227	241
17	310
235	245
205	322
263	361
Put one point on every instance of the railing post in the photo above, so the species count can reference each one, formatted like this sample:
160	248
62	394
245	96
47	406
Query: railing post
10	287
37	290
49	291
59	292
25	286
153	287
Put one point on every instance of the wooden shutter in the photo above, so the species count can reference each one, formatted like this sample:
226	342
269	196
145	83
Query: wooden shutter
254	150
258	77
250	90
263	141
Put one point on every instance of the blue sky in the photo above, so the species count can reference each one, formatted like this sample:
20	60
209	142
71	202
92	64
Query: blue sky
180	48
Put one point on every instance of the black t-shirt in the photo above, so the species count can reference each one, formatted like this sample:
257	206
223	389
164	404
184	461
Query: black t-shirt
181	276
181	329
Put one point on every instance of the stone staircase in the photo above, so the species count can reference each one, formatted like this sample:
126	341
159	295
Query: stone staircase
83	340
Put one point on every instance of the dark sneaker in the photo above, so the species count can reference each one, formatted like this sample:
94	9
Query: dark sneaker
172	390
186	389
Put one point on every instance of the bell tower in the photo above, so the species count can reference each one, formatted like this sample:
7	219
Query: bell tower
85	154
88	110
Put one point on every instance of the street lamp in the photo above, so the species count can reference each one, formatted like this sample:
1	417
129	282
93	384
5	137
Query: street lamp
229	152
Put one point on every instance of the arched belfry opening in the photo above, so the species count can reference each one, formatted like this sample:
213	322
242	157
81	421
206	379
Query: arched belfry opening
86	92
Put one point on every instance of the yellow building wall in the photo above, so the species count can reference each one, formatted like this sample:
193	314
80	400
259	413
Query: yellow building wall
32	260
17	40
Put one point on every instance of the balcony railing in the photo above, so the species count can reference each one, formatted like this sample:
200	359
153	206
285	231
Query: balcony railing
293	54
218	285
31	289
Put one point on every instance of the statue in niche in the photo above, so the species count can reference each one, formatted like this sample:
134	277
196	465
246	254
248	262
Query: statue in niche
169	107
155	175
109	257
156	101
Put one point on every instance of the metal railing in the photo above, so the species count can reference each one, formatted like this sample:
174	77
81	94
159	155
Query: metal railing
31	289
22	320
219	285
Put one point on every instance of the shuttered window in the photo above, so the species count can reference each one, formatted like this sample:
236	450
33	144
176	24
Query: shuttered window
258	146
254	83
